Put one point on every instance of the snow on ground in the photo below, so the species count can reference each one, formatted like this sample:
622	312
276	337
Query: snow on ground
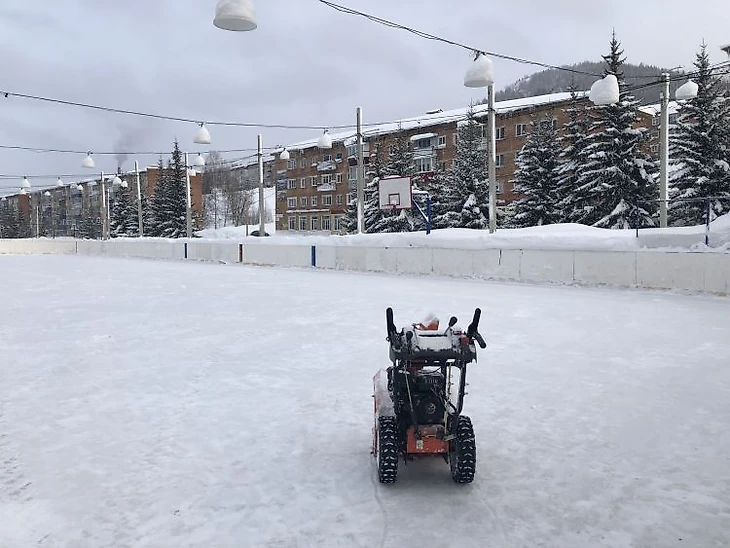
560	236
160	404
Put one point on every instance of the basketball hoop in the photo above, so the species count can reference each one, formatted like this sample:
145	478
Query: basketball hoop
395	193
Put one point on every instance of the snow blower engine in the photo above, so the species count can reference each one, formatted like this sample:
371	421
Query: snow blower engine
419	399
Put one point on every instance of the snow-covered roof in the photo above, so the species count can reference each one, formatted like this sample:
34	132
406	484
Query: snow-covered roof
655	110
431	120
423	136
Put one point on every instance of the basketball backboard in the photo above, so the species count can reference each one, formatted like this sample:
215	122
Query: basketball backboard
395	193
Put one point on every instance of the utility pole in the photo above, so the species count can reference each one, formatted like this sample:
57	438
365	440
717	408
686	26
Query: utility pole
664	152
360	176
188	200
139	199
492	160
262	205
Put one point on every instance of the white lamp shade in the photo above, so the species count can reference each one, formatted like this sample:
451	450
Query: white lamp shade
605	91
203	136
26	183
23	191
325	141
199	161
88	162
235	15
116	181
480	73
124	184
79	187
687	91
284	155
47	194
59	182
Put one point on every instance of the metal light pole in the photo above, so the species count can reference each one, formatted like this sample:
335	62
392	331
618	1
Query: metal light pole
103	207
139	199
188	200
664	151
262	227
492	159
360	175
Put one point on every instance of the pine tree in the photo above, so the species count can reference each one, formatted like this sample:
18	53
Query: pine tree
464	201
616	175
372	213
9	226
124	220
700	150
571	142
535	178
169	202
23	220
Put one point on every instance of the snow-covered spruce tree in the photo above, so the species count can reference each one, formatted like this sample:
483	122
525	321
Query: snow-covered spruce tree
700	150
535	178
465	199
169	201
616	175
155	210
570	141
124	215
23	223
372	214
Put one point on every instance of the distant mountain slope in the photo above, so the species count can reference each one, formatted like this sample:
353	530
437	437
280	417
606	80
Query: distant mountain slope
554	80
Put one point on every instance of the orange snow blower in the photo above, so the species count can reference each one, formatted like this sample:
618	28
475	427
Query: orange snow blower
420	397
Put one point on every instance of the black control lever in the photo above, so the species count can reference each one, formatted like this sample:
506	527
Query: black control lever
472	331
390	326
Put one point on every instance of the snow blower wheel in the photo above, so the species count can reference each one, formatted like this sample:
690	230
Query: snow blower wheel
420	397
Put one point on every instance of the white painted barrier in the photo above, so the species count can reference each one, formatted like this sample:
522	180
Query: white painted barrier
706	272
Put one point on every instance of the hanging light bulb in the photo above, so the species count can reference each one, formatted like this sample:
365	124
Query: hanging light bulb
116	181
284	155
47	194
88	162
481	72
203	136
80	187
687	91
325	141
124	184
199	161
26	183
235	15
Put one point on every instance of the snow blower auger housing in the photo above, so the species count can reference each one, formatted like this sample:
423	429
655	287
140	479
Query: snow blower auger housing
419	398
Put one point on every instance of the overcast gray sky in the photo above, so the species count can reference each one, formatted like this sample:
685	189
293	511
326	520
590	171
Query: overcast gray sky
305	64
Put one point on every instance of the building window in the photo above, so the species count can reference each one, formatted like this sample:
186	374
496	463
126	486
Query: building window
672	118
338	199
291	184
349	198
655	149
482	131
326	179
314	201
351	151
338	177
327	200
544	124
391	150
291	203
325	222
338	156
442	141
338	222
656	121
521	130
456	137
352	173
313	180
314	161
500	187
303	201
327	158
424	165
315	223
303	182
499	133
499	160
303	163
292	223
423	143
292	164
302	223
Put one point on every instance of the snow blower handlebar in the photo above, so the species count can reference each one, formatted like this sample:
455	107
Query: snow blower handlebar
472	331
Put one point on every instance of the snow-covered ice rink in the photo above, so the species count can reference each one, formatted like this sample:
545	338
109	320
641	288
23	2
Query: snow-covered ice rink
170	404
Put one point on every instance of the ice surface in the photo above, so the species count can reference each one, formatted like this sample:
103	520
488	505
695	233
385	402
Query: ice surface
152	403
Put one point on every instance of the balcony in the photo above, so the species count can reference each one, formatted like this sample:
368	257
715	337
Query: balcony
329	165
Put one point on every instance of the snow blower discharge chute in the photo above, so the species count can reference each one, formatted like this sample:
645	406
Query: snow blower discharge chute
419	398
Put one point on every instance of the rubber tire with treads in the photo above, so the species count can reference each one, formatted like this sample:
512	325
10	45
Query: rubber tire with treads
463	453
387	449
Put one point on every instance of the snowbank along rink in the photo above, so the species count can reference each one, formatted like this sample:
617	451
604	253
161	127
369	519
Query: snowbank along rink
161	403
705	272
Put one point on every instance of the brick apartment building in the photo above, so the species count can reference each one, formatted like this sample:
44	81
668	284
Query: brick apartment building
314	186
57	214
